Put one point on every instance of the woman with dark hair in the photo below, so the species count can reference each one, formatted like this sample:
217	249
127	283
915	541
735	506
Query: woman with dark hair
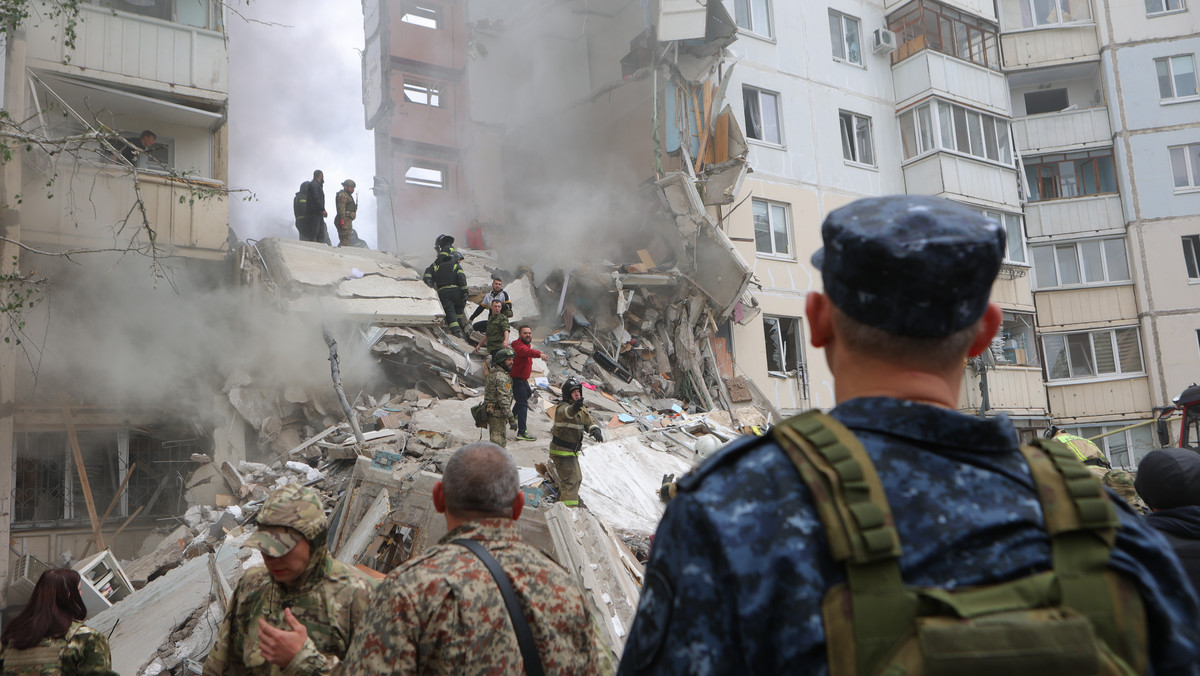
49	637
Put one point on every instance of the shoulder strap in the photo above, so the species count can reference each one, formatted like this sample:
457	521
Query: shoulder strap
529	653
858	524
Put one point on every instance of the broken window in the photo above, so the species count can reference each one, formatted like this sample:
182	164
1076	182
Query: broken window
753	15
198	13
1014	231
1045	101
771	231
422	14
856	138
784	337
1013	344
422	94
762	115
425	175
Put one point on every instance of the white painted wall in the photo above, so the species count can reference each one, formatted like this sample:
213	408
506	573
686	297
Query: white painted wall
1129	23
1152	177
1141	106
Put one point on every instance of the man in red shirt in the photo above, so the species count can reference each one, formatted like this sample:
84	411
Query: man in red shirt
522	366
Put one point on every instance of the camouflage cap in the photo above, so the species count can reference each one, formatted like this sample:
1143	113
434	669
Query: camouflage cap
911	265
295	506
348	183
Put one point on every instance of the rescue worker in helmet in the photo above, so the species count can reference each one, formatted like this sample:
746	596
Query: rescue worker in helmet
1087	452
498	396
447	276
571	422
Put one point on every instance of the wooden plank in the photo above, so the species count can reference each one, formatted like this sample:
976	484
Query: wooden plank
721	147
127	521
82	470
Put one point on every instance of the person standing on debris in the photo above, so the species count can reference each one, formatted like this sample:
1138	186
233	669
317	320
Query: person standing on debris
315	204
497	293
749	562
347	210
447	276
497	396
524	354
571	422
49	636
496	333
443	613
298	613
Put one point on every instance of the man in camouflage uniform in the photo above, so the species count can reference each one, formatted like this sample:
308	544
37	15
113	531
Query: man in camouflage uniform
347	210
297	614
447	276
442	612
1121	483
498	396
496	334
741	563
571	421
82	650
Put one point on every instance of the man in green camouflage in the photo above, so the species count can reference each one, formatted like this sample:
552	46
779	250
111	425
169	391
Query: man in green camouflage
298	613
1121	482
496	333
347	210
498	396
443	613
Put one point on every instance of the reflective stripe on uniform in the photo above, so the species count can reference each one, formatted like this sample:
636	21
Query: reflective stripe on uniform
569	426
557	452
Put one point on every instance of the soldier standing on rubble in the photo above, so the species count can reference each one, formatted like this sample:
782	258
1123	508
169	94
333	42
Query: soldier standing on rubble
316	208
347	210
298	613
447	276
443	613
497	396
571	421
496	334
743	566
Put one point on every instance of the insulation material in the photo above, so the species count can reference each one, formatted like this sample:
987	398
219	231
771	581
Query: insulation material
621	481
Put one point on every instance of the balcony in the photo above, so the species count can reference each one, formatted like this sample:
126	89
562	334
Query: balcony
136	51
1100	401
1075	217
929	72
89	205
1086	308
1063	131
1042	47
981	8
962	178
1015	390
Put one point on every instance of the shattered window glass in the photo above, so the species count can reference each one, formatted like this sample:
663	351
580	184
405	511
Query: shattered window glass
419	14
771	232
784	337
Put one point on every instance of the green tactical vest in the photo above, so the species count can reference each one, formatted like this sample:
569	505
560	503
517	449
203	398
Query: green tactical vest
1081	618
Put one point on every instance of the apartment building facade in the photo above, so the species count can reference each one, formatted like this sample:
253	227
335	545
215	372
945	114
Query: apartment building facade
130	67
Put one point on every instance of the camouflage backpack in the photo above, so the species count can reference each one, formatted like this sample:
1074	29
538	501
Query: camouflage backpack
1079	618
479	415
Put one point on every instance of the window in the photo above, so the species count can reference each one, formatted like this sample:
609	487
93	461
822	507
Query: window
1124	449
958	129
930	25
422	94
762	115
420	14
198	13
844	33
1045	101
1050	177
753	15
1162	6
1191	256
1013	344
771	231
1185	165
1043	13
1176	77
856	138
784	343
1092	354
425	175
1090	262
1015	234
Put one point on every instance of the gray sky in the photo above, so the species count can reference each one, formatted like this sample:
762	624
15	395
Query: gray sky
295	105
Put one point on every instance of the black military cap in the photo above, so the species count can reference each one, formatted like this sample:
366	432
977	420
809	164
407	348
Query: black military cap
912	265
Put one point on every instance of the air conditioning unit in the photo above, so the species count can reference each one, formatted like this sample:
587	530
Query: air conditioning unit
883	41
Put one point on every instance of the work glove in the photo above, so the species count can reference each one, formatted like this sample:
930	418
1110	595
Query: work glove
596	434
576	407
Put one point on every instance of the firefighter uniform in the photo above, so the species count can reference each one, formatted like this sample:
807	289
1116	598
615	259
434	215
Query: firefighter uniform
571	422
447	276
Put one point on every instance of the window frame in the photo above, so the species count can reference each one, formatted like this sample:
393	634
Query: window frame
1165	9
948	130
418	8
845	20
1005	219
1175	95
852	141
787	228
1016	335
757	93
749	9
426	183
431	91
1188	151
914	22
1040	164
1081	265
800	369
1087	431
1191	257
1093	338
1026	8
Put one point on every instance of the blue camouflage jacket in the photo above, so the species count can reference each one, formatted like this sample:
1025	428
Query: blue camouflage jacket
739	566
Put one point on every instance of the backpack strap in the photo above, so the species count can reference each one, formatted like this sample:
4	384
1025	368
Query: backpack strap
858	523
1082	524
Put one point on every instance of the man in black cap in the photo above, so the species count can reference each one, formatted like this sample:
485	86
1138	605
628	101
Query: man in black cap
1168	480
742	561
